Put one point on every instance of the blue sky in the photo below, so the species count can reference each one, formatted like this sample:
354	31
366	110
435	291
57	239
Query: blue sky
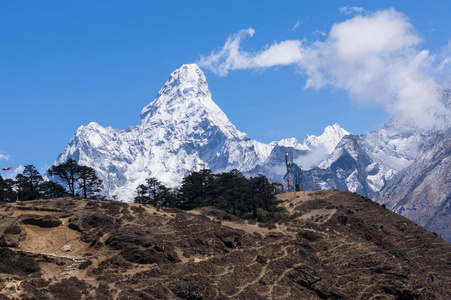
66	63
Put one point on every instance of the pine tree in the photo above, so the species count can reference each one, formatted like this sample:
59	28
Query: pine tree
157	191
261	195
88	182
232	188
51	189
196	190
154	192
67	173
6	190
28	183
76	178
142	194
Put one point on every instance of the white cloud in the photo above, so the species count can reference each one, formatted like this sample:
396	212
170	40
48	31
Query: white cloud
283	53
374	57
444	65
312	158
347	10
231	57
296	26
4	156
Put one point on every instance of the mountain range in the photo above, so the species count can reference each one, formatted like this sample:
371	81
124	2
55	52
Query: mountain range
183	130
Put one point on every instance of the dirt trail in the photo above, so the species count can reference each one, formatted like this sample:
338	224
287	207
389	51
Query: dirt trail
262	274
77	260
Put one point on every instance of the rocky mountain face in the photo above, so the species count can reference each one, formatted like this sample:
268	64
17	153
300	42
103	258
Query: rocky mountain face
183	130
347	168
365	163
333	245
422	191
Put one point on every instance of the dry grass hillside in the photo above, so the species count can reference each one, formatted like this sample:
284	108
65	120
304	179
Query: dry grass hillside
333	245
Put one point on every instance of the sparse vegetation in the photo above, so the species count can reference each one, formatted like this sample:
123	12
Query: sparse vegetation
12	263
69	289
85	264
309	235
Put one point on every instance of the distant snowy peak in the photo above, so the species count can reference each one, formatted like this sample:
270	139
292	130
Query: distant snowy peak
185	102
327	141
330	138
289	142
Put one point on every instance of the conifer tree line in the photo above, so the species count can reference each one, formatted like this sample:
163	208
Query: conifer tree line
250	198
72	180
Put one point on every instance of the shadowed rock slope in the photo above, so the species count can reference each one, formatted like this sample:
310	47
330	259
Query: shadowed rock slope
334	245
422	191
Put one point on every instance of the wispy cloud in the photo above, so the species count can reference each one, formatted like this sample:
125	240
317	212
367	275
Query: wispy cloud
231	57
348	10
3	156
312	158
320	33
296	26
444	67
373	57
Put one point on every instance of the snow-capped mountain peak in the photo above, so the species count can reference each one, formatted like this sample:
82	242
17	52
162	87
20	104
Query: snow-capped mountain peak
330	138
288	142
326	142
180	130
185	102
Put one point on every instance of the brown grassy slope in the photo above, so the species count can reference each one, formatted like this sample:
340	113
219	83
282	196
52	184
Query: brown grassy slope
334	245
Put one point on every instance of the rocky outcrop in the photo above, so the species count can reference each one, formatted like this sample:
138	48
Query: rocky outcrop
46	221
